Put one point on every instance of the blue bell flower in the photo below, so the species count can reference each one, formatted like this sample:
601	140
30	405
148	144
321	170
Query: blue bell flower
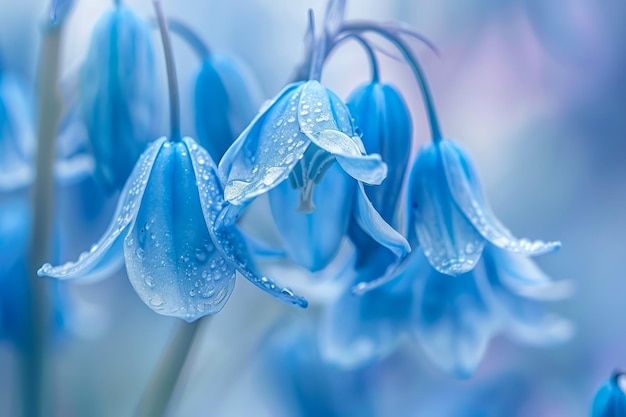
181	254
456	316
610	401
449	214
384	120
117	94
356	330
306	385
452	317
224	103
17	141
299	135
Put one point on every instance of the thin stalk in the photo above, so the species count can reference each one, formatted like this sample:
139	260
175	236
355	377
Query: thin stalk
34	366
190	36
172	80
159	392
415	67
368	50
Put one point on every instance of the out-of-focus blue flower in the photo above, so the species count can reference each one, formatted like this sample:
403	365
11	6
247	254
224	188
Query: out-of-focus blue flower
181	255
610	401
449	214
224	103
452	317
117	94
306	385
15	225
299	135
16	135
455	317
384	120
358	330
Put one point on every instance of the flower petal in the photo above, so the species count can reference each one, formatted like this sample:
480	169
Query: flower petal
370	221
312	240
117	96
465	189
449	241
453	321
212	107
266	152
358	330
318	121
382	116
171	259
15	229
225	235
125	213
521	275
369	169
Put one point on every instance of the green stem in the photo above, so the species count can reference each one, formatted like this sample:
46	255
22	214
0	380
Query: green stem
159	392
34	367
172	80
415	66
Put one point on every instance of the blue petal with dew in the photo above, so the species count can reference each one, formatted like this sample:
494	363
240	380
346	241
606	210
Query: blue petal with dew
98	256
226	237
171	259
449	241
466	192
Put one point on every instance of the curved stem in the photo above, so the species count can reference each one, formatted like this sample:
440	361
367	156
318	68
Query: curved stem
415	67
190	36
159	392
172	81
368	50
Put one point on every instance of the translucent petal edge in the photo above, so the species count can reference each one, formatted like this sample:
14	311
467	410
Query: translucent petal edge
125	214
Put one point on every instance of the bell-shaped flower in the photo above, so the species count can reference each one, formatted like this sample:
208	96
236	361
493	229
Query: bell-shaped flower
117	94
224	101
610	400
452	317
455	317
356	330
385	123
16	135
450	216
303	115
181	254
299	136
305	384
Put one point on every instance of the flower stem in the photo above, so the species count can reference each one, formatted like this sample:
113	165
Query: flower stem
157	396
34	368
172	80
415	67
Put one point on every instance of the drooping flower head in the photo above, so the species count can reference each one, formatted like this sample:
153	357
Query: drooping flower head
117	95
225	94
174	229
610	401
385	123
466	279
449	214
298	137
